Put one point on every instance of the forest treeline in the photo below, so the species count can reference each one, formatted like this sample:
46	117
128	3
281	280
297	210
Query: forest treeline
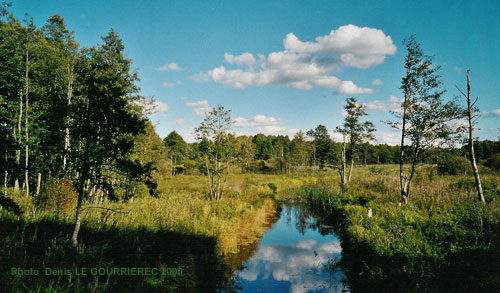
282	154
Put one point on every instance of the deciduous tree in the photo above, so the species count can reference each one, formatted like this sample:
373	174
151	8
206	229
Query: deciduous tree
425	118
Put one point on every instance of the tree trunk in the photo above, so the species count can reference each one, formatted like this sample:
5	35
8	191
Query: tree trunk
38	183
26	159
472	155
81	189
350	170
68	103
402	178
6	178
74	238
18	139
174	166
344	163
210	181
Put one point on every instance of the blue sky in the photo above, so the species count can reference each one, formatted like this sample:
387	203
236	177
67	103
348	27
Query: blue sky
281	66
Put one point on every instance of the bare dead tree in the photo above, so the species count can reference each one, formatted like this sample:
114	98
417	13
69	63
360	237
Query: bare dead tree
472	116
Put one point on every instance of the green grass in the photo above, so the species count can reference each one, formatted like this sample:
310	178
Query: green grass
442	228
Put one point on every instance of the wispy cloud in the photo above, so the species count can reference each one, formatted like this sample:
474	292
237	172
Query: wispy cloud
377	82
202	108
261	123
197	103
392	104
390	138
492	113
169	67
159	107
202	111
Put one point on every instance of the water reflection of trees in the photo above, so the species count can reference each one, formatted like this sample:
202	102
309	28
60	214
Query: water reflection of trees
306	218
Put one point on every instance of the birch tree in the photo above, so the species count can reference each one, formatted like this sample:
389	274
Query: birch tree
103	120
472	115
425	118
216	145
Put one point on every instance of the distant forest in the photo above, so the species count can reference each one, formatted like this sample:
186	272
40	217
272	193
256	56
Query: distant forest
282	154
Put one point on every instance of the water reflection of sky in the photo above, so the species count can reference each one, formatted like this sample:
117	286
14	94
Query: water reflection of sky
293	257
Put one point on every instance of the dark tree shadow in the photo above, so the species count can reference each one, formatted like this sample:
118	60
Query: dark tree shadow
47	245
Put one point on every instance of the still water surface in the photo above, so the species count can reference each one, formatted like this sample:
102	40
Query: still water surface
297	254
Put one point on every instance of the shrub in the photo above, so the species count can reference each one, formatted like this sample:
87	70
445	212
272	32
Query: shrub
453	165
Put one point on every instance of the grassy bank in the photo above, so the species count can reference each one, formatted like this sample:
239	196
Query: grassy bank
442	239
181	228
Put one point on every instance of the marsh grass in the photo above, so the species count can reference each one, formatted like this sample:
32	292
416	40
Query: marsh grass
444	238
419	245
181	227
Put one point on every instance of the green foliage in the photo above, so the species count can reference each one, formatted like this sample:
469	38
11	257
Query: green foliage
493	162
216	149
453	165
177	151
322	145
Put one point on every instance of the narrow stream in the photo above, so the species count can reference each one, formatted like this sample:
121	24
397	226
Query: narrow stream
297	254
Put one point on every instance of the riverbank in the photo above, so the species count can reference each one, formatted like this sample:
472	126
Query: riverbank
442	240
181	228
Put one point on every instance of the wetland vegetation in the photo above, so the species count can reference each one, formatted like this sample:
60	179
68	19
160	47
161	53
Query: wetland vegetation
88	185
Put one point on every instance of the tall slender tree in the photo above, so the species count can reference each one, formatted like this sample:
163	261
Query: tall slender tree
425	118
356	132
103	119
472	115
217	146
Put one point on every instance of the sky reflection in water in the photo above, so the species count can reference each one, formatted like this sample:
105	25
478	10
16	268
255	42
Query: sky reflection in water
293	256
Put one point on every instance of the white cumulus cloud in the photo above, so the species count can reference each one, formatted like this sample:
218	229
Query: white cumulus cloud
377	82
202	108
349	88
335	136
246	59
305	65
359	47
